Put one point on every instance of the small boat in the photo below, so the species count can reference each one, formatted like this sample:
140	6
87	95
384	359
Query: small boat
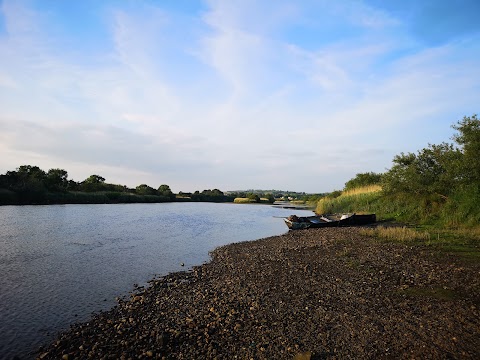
295	222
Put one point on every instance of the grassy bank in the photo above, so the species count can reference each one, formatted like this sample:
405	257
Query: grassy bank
460	210
448	225
366	199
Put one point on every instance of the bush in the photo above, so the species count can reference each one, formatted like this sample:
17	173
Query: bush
243	201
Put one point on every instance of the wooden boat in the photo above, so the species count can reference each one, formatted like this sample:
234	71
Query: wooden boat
295	222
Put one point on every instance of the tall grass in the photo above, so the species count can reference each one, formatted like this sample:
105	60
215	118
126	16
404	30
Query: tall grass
462	208
396	233
404	207
362	190
464	242
364	199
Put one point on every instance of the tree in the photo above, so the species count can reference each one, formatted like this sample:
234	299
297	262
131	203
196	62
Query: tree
57	180
433	170
28	172
29	184
95	179
468	137
93	183
363	179
165	191
270	197
144	189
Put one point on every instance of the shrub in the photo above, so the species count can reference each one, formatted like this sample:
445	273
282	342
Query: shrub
243	201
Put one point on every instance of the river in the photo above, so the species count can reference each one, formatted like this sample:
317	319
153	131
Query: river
60	263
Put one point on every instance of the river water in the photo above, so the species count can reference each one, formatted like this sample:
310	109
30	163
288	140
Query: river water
60	263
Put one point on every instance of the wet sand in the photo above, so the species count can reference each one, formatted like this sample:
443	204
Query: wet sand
315	294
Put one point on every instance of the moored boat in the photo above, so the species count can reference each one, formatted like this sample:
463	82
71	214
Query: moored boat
318	221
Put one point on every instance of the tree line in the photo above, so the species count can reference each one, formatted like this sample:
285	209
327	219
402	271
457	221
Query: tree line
31	185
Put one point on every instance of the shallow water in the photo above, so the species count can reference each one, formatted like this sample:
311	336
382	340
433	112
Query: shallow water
60	263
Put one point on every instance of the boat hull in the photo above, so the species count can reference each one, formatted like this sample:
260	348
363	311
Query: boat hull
295	223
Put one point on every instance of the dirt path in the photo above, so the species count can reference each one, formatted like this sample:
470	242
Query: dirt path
326	293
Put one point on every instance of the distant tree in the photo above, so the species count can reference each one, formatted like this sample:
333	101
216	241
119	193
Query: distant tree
270	197
31	172
29	183
95	179
164	190
144	189
253	197
57	180
217	192
93	183
73	185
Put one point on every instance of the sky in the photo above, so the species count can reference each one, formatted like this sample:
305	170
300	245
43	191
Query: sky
238	94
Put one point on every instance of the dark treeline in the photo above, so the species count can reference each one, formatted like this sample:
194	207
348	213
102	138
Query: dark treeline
31	185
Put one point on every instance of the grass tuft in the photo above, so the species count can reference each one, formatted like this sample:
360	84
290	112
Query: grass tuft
396	233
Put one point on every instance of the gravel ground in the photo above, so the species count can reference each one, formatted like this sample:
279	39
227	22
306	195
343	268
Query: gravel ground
310	294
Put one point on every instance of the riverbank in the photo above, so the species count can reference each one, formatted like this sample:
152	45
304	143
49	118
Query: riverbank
333	293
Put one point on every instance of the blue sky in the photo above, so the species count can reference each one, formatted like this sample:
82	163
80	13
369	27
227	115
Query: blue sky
238	94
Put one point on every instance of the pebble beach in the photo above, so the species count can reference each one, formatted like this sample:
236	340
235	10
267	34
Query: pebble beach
328	293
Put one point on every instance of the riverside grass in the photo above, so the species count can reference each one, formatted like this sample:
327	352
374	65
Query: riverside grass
360	200
438	222
397	233
459	211
438	230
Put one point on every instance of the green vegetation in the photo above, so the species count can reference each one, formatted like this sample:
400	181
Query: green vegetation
438	185
436	189
214	195
363	180
360	200
31	185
